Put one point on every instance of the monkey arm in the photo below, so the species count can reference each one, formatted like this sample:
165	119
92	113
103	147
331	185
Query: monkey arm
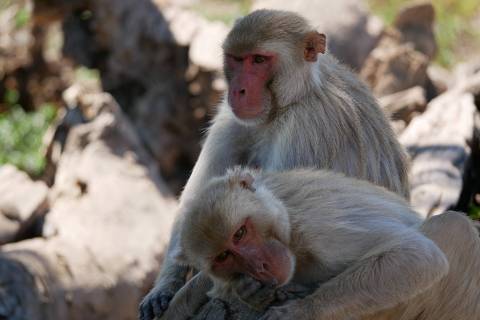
222	149
189	298
387	275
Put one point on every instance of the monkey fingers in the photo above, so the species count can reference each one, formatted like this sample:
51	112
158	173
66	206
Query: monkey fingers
154	305
292	291
292	310
253	292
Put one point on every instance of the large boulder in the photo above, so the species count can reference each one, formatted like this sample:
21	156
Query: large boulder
106	231
404	105
416	22
394	66
15	39
159	62
22	202
437	141
401	58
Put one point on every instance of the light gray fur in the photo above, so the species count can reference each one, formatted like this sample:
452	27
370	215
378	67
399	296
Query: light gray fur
320	115
370	254
339	127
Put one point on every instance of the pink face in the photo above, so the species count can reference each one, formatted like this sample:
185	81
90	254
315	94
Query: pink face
250	74
247	252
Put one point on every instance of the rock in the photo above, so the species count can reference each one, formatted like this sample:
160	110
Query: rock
24	67
206	48
402	56
351	32
463	71
15	42
98	40
161	119
405	104
437	143
398	126
148	73
8	229
22	202
108	227
416	22
442	79
394	66
184	24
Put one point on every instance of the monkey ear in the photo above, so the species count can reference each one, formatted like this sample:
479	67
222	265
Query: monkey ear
238	176
314	43
246	182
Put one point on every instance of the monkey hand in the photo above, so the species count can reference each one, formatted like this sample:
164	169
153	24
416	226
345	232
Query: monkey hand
155	303
292	291
298	309
256	294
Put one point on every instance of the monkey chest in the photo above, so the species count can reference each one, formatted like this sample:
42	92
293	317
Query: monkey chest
277	155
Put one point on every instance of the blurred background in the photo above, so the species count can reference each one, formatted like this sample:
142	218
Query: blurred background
103	104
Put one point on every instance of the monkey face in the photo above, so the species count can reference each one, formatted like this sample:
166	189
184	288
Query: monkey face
236	226
249	75
267	62
249	252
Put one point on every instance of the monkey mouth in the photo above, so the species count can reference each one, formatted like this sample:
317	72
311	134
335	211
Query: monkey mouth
272	280
247	112
277	272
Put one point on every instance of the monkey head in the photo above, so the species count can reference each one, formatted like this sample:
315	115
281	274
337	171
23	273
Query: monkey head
268	57
236	226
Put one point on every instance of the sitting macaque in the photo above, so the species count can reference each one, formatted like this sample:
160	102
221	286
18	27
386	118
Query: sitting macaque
367	253
289	104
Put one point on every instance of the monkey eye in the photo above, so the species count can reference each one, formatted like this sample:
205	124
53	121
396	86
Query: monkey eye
258	59
238	59
222	256
240	234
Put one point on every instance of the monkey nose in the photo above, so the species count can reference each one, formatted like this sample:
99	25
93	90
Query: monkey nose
242	92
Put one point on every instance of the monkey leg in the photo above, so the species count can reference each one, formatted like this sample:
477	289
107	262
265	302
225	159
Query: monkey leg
457	295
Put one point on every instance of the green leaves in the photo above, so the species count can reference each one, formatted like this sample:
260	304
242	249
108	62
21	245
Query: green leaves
22	17
474	212
21	135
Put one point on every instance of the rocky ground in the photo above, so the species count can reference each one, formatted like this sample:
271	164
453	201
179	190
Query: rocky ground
85	239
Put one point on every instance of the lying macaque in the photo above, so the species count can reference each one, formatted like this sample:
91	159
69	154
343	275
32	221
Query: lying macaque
367	253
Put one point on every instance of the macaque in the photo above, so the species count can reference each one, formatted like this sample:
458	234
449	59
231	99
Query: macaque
368	254
289	104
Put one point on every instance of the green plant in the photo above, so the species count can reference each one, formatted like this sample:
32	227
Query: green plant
474	212
22	17
21	135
